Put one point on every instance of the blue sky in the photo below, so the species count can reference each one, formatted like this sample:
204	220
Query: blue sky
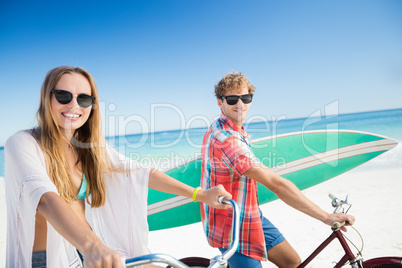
156	62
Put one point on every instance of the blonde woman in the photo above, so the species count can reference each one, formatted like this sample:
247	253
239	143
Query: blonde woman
72	200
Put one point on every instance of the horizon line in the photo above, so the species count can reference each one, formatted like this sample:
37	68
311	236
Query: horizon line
256	122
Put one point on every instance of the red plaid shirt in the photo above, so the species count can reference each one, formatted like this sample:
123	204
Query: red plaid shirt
226	155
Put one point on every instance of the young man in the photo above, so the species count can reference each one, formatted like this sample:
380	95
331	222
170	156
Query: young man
227	159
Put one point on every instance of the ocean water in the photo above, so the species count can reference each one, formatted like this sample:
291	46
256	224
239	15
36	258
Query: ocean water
170	148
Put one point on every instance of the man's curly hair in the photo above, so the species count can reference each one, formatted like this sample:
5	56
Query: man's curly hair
233	81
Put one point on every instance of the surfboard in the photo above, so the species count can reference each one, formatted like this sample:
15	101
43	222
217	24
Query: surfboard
305	158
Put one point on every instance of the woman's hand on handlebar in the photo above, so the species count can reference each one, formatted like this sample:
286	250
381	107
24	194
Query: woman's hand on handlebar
211	195
102	256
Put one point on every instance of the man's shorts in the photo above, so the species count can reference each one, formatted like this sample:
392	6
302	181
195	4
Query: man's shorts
272	237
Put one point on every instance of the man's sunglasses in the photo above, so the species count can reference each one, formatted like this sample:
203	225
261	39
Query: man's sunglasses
65	97
233	99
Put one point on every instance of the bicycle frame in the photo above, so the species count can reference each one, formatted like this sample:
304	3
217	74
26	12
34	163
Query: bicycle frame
349	256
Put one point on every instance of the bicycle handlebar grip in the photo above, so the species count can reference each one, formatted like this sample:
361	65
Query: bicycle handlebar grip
332	196
221	199
338	225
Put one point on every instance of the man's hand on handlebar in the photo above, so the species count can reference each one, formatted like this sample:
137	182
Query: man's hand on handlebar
345	219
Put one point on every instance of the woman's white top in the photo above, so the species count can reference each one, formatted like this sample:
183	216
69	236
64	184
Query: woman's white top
121	223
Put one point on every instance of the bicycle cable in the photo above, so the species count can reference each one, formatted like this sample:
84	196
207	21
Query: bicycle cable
359	252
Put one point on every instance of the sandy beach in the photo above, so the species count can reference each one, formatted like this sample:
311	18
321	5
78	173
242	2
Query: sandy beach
375	195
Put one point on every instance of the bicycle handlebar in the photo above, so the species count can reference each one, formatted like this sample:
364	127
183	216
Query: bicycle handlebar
152	258
216	261
338	205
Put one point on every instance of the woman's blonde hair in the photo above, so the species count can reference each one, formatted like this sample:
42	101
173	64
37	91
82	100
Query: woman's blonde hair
88	142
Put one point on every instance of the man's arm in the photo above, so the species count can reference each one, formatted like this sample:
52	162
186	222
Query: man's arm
291	195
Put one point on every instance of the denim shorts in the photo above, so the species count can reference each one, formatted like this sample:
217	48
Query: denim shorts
272	237
39	258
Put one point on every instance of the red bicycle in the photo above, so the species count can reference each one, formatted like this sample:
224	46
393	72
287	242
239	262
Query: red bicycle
355	261
350	258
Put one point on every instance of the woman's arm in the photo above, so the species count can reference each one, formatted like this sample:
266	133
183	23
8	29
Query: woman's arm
161	182
30	191
79	234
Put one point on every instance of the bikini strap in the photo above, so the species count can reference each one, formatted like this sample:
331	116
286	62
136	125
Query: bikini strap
82	193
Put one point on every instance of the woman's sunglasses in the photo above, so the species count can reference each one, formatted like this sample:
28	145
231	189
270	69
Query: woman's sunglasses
233	99
65	97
